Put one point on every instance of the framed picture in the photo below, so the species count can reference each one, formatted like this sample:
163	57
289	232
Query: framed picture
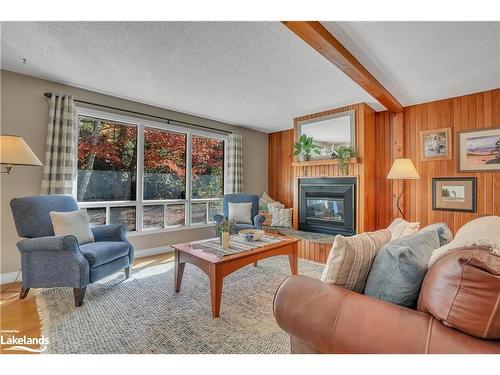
435	144
454	194
479	150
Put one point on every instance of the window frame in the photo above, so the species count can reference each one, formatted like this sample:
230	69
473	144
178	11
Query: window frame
140	202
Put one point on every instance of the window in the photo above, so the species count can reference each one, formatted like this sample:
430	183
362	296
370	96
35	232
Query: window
147	175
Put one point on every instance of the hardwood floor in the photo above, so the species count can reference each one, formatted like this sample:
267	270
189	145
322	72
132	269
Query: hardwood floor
20	317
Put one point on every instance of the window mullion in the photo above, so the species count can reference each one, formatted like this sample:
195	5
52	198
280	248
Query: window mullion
140	177
189	148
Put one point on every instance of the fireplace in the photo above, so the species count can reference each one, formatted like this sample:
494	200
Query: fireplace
328	205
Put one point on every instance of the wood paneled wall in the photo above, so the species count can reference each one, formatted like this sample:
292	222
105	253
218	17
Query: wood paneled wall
475	111
395	136
280	173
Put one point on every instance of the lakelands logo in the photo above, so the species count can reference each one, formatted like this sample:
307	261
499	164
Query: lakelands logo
18	343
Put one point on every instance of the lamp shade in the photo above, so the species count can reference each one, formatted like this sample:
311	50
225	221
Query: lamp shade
15	151
403	169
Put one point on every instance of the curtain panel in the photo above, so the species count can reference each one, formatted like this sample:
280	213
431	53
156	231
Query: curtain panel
234	183
60	152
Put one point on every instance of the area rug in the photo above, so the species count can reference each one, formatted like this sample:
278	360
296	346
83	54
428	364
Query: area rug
144	315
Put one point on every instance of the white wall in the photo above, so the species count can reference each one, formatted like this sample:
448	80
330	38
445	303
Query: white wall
24	112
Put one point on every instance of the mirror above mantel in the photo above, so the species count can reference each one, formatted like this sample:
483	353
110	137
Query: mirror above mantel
329	132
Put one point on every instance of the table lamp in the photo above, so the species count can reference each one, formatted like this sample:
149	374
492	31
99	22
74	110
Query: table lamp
15	151
402	169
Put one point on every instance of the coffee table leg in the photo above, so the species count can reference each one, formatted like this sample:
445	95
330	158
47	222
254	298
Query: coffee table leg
179	271
293	259
215	290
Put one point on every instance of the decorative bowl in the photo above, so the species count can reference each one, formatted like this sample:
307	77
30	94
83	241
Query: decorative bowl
257	234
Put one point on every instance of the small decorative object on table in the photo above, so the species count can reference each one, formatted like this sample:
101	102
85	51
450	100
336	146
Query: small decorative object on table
224	230
251	234
343	154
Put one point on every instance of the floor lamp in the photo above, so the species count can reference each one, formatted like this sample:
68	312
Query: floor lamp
402	169
15	151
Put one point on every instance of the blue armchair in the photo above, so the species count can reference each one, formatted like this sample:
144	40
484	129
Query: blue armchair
59	261
241	198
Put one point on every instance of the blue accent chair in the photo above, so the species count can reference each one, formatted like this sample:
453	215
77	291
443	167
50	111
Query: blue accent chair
241	198
59	261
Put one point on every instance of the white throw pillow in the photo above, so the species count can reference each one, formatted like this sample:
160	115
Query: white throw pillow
264	200
281	217
272	205
240	213
73	222
484	231
400	228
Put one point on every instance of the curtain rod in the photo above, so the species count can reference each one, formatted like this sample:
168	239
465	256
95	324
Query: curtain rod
48	95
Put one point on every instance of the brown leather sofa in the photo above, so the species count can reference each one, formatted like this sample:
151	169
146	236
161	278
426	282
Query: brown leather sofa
458	312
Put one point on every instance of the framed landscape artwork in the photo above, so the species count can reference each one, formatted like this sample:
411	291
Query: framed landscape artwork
479	150
435	144
454	194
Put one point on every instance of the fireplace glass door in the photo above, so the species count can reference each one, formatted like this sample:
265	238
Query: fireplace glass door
325	210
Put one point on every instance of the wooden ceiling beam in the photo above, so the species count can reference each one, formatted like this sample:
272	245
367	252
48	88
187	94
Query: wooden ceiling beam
319	38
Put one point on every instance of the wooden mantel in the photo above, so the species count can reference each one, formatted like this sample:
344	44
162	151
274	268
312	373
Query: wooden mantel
309	163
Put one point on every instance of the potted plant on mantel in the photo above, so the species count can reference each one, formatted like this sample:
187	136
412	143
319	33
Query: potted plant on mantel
344	154
304	147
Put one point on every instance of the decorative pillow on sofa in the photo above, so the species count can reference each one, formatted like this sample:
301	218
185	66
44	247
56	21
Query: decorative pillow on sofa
281	217
484	231
351	258
400	267
443	231
268	218
240	212
264	200
400	228
73	222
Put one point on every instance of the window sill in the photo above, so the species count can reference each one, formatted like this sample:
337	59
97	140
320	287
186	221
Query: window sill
167	230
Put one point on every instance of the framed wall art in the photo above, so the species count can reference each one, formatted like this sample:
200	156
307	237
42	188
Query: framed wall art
479	150
454	194
435	144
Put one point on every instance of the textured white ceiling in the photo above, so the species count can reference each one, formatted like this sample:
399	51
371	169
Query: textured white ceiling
424	61
254	74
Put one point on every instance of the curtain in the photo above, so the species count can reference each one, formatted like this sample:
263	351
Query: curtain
234	183
60	152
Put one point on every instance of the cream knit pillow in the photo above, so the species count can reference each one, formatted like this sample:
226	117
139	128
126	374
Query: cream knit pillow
400	228
75	223
351	258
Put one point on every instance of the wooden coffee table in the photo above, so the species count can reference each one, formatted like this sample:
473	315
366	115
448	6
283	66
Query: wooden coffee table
217	268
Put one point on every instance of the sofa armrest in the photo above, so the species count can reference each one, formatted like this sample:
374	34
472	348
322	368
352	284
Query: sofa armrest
53	261
111	232
52	243
258	220
219	218
325	318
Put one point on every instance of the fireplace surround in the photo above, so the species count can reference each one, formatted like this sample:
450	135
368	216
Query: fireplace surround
328	205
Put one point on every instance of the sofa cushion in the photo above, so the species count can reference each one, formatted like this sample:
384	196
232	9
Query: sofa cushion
479	232
264	200
240	212
75	223
444	232
351	258
401	228
99	253
400	267
462	290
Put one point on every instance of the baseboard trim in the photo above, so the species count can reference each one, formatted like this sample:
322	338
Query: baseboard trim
153	251
10	277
